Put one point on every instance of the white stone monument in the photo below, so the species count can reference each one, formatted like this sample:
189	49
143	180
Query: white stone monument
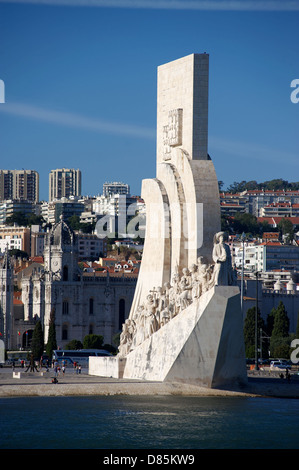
185	323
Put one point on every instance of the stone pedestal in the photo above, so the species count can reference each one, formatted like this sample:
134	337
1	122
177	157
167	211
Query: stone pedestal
203	345
106	366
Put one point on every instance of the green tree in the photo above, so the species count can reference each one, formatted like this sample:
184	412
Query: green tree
249	330
276	184
246	223
272	185
220	185
18	253
24	220
286	228
18	218
51	344
74	344
280	332
74	222
93	342
281	323
280	347
33	219
37	342
270	321
87	227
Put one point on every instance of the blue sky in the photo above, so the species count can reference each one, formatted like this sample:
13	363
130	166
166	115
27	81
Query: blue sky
80	85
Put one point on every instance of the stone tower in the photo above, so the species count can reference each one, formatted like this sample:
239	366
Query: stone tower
6	298
61	253
182	202
61	264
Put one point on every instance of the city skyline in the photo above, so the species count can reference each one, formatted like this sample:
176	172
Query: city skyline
80	86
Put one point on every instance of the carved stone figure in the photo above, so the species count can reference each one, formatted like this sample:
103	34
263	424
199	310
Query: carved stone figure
223	271
203	274
185	286
161	304
165	317
139	336
151	324
124	340
174	292
195	291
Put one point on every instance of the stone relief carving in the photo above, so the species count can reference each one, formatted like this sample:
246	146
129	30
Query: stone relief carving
172	132
164	303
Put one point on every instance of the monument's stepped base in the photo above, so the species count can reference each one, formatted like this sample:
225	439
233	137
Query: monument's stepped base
202	346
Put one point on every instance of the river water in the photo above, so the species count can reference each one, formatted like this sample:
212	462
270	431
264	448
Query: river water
156	422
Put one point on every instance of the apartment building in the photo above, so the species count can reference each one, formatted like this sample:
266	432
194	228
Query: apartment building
14	238
254	201
257	199
266	256
280	209
90	246
10	207
19	185
64	182
52	211
110	189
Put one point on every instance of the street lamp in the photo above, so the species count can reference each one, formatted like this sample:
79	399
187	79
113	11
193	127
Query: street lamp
243	238
256	317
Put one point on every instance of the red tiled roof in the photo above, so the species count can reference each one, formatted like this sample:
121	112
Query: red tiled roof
276	220
17	298
37	259
271	243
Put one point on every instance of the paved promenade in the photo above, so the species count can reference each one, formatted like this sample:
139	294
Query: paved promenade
40	384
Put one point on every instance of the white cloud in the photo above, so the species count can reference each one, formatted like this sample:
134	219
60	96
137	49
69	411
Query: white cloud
217	5
76	121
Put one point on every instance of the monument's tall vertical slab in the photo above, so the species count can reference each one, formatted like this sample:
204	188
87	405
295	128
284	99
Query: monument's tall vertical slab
182	107
182	202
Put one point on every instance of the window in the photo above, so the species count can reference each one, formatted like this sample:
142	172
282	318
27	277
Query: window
121	313
65	307
65	273
64	335
91	303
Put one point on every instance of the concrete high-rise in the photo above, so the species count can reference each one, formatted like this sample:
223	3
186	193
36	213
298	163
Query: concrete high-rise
20	185
109	189
64	182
